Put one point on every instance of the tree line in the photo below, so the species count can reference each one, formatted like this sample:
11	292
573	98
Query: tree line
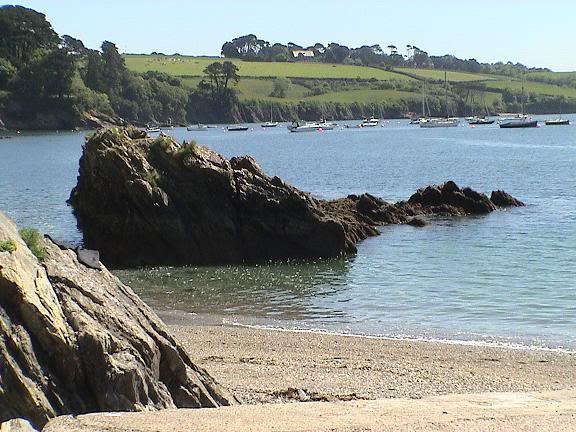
53	80
252	48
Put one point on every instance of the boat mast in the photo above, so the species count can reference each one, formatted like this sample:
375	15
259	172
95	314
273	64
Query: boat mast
523	78
423	98
446	91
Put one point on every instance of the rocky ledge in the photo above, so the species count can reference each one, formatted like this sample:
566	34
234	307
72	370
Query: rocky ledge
74	339
143	201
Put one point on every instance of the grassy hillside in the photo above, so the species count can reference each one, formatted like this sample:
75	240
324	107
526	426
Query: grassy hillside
349	84
194	66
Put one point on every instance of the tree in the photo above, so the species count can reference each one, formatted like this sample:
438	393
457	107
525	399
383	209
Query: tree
74	46
7	72
114	67
220	75
248	47
336	53
280	87
22	32
393	49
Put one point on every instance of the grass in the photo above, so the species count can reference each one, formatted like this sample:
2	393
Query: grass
250	88
8	246
33	240
452	76
194	66
533	87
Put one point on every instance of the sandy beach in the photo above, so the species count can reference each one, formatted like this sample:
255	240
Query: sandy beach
357	383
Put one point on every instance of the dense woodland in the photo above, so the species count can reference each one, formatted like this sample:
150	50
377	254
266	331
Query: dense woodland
49	81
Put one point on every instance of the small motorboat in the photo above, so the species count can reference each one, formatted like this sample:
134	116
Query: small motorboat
479	120
198	127
269	124
439	123
153	129
237	128
557	122
306	127
370	122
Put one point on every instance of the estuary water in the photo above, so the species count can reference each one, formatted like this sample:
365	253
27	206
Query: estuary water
506	278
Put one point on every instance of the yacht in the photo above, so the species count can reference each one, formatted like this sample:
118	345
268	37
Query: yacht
237	128
153	129
441	122
270	124
557	122
475	120
198	127
517	121
305	127
370	122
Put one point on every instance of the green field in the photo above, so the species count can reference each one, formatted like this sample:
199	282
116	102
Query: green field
533	87
438	75
194	66
257	79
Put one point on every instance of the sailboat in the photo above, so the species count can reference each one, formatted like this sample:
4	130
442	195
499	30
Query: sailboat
520	121
557	122
474	119
270	124
423	117
442	122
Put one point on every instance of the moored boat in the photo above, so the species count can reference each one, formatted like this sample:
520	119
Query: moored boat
370	122
237	128
153	129
198	127
475	120
517	123
557	122
439	122
269	124
305	127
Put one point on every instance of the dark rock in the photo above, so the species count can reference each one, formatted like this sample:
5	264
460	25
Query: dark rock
141	201
503	199
97	120
75	340
417	222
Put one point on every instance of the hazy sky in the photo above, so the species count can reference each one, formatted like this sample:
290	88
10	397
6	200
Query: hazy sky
535	33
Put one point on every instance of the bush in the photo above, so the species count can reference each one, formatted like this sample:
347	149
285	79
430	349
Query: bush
7	246
33	240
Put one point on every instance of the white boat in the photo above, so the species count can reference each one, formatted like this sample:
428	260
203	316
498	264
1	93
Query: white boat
153	129
198	127
439	122
370	122
327	125
269	124
306	127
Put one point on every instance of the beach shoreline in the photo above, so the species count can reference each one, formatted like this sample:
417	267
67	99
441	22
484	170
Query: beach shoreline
302	381
264	365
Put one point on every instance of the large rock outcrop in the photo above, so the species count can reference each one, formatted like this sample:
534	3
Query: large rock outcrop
143	201
75	339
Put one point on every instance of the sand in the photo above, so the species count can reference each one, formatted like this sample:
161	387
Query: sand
361	384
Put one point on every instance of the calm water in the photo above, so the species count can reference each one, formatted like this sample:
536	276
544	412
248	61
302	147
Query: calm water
509	277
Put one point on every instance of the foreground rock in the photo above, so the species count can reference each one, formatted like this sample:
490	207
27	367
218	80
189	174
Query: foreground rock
143	201
76	340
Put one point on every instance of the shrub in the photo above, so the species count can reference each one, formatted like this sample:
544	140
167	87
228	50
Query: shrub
186	149
7	246
33	240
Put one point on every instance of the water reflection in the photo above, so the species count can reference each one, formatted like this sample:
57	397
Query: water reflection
287	291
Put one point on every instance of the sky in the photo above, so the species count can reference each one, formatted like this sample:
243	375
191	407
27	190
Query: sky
535	33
